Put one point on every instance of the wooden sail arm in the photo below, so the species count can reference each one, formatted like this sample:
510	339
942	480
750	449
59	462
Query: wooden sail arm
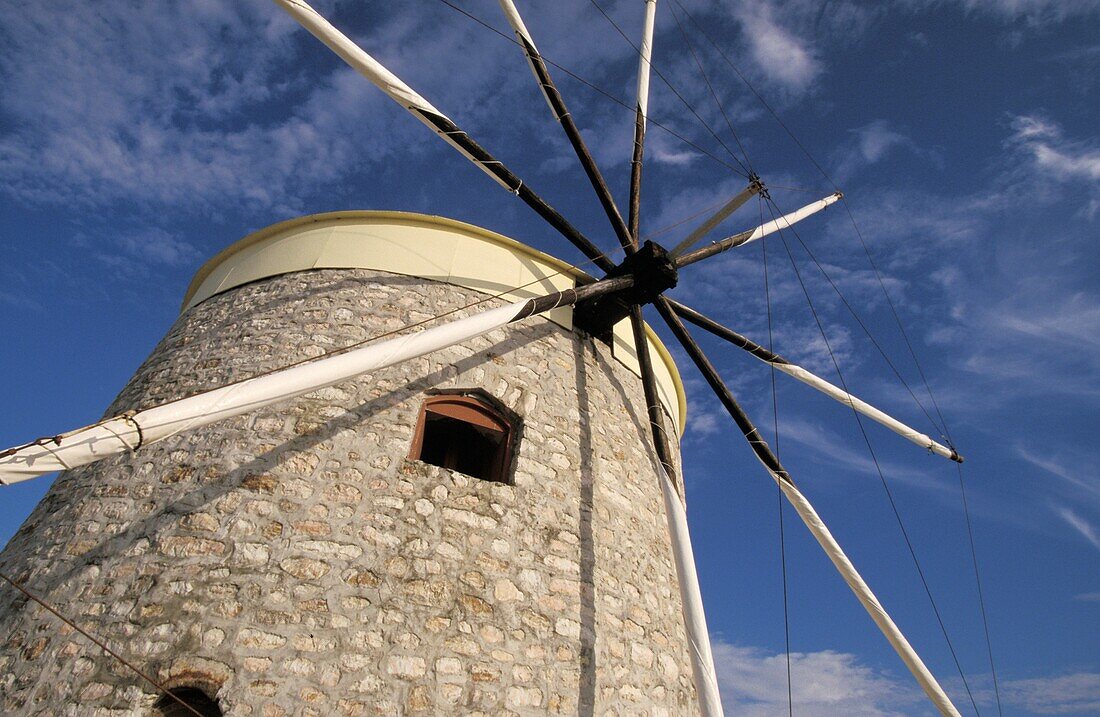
565	118
810	517
132	430
641	112
783	222
702	659
415	104
718	217
813	381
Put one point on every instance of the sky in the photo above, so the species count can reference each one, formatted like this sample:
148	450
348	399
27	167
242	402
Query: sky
138	139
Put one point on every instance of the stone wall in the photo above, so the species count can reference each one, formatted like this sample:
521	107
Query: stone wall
295	562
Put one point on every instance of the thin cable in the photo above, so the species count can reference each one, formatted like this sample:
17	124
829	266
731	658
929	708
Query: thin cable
102	645
745	170
981	598
782	534
848	210
897	318
752	89
685	220
622	103
878	467
43	441
901	328
706	80
866	330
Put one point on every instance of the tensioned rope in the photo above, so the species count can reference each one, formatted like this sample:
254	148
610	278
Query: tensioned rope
782	501
710	87
817	165
593	86
901	329
774	210
851	309
746	172
101	644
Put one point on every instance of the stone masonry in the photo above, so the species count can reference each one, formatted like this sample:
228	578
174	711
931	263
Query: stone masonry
295	562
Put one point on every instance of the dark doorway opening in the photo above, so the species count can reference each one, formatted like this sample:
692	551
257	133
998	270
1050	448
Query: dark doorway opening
195	698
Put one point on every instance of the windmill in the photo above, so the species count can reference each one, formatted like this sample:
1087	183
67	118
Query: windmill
640	279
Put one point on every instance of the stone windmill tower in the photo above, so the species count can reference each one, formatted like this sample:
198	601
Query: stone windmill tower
400	527
476	531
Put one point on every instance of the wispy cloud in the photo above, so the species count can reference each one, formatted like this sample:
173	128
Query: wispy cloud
1073	694
1036	12
1082	525
1053	154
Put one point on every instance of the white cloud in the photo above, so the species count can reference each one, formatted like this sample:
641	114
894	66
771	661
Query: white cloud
824	684
1077	470
158	103
828	446
783	57
753	682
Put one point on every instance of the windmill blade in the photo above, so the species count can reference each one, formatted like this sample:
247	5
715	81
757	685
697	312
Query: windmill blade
816	382
810	517
130	431
695	622
641	112
442	125
728	208
783	222
563	116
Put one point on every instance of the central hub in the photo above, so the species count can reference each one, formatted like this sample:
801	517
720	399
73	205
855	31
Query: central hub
654	272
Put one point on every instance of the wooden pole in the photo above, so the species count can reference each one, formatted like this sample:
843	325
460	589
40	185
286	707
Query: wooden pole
810	517
562	114
815	382
424	111
728	208
760	232
641	111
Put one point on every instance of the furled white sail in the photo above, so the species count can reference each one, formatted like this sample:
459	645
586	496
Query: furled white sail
644	58
867	598
130	431
374	71
691	599
865	408
785	221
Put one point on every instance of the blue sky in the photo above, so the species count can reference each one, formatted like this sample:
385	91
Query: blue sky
137	140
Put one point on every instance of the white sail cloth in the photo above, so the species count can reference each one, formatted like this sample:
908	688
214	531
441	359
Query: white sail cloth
129	431
373	70
785	221
863	407
645	56
867	598
691	599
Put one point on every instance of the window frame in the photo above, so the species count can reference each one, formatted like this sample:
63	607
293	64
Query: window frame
477	408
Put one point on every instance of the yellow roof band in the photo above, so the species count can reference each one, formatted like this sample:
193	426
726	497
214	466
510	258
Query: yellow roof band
428	247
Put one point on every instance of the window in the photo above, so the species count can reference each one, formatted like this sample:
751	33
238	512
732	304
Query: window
195	698
468	432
